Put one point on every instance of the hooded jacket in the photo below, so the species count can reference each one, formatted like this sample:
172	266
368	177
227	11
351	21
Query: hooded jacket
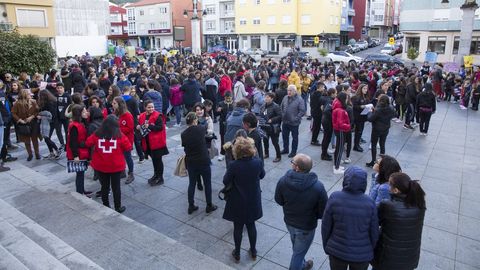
191	92
340	119
155	97
234	123
380	118
303	199
350	223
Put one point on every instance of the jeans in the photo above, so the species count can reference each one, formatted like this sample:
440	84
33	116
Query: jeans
113	179
178	113
2	130
410	114
137	139
79	179
301	241
340	144
237	235
305	99
377	138
359	126
57	127
339	264
286	129
327	136
196	171
424	120
129	160
316	124
274	138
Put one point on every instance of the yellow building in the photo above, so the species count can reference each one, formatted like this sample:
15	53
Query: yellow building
278	25
34	17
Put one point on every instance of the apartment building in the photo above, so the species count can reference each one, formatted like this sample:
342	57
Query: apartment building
429	26
346	26
380	18
118	25
218	24
277	26
358	21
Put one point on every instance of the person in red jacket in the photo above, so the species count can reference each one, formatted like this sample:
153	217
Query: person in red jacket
154	140
127	127
341	125
109	145
225	84
76	150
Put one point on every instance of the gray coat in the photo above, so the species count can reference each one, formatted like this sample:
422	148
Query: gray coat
293	108
46	118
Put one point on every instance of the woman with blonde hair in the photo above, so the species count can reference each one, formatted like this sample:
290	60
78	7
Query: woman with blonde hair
244	203
24	113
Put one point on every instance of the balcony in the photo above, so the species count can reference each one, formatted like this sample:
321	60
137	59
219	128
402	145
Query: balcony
227	14
6	26
227	31
221	1
351	12
351	28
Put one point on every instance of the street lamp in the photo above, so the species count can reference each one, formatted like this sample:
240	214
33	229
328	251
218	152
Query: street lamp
195	26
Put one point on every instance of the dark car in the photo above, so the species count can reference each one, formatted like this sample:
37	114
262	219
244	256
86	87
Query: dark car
383	58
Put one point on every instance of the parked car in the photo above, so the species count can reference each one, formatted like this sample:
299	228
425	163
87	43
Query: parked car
373	43
252	52
388	49
398	48
355	48
362	44
218	48
345	57
139	51
383	58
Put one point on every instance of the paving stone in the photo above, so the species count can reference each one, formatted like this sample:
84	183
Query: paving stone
442	220
442	201
222	251
431	261
193	237
9	261
468	227
441	186
265	264
468	251
470	208
439	242
159	221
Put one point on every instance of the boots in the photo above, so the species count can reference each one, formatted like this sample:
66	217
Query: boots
130	178
3	168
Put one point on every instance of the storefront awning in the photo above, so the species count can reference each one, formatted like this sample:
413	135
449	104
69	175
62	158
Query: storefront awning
286	37
329	36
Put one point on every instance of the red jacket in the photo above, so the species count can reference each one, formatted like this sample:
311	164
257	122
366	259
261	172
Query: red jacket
156	139
83	153
126	125
225	85
340	119
108	154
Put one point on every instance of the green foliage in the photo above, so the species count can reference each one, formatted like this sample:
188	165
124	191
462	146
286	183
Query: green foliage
412	53
24	53
323	52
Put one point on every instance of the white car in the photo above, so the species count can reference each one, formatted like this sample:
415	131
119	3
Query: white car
362	44
345	57
388	49
252	52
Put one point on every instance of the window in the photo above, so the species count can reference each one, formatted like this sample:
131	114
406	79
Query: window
229	26
242	2
141	12
344	4
115	18
142	26
131	28
210	25
286	1
210	9
436	44
256	2
243	21
413	42
151	11
475	45
131	14
31	18
255	42
271	1
344	21
256	20
286	19
271	20
163	10
336	20
378	18
152	26
456	44
163	25
305	19
331	19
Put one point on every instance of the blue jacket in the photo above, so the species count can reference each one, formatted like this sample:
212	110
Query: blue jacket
350	223
122	84
191	92
379	192
156	98
234	123
303	198
244	203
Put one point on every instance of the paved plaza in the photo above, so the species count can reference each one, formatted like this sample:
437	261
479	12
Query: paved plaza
447	161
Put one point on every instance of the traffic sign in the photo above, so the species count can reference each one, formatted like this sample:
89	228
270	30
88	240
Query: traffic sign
316	40
391	41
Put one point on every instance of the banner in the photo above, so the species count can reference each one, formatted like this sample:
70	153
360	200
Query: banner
431	57
468	61
451	67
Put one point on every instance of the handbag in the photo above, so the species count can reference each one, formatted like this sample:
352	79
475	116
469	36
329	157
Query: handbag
74	167
223	193
24	129
213	150
181	168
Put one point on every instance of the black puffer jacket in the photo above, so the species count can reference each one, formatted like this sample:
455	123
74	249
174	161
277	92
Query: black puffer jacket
411	94
401	233
426	100
381	118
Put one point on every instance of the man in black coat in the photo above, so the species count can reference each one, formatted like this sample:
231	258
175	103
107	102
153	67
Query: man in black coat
250	125
303	199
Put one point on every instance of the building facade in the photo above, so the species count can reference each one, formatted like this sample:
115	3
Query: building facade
29	17
81	26
429	26
380	18
277	26
347	26
218	24
358	21
118	25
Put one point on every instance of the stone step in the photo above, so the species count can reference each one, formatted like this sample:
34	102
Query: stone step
108	239
45	239
29	253
10	262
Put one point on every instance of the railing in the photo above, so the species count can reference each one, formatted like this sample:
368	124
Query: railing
351	12
6	26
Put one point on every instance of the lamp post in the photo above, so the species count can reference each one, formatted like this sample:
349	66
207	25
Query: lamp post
195	20
466	29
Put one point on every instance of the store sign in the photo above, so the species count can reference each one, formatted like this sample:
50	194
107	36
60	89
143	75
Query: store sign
160	31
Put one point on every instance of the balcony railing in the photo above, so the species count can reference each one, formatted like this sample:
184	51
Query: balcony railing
6	26
351	28
351	12
227	14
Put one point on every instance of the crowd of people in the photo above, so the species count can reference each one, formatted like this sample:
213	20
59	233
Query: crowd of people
100	110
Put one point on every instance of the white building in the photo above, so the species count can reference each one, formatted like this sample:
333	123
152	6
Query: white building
150	24
81	26
218	25
379	18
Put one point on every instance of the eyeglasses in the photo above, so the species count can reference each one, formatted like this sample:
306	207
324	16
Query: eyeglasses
293	162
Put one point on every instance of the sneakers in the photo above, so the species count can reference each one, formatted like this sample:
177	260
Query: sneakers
423	134
220	158
326	157
370	164
192	208
330	151
347	161
50	156
316	143
358	148
140	161
308	265
121	209
177	125
130	178
340	170
211	208
407	126
3	168
278	159
398	121
157	181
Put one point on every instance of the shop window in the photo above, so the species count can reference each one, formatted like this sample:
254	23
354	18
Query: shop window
437	44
